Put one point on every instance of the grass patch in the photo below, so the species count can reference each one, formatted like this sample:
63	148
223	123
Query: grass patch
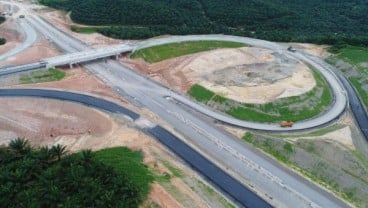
172	50
128	163
355	56
84	29
319	132
355	81
280	152
285	152
200	93
213	193
294	108
50	75
175	171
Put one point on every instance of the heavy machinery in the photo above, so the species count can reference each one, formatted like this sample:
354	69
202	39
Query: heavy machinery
286	123
291	49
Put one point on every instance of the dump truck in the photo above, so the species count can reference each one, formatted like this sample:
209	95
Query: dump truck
286	123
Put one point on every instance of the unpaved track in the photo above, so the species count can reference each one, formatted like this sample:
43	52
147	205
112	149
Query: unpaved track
30	38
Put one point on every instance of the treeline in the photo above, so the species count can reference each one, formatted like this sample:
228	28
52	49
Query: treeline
2	40
317	21
47	177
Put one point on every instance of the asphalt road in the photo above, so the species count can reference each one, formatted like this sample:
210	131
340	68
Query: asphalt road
21	68
274	183
335	110
84	99
239	193
30	38
355	103
229	185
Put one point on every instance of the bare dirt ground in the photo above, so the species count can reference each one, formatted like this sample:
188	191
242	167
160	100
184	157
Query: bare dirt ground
250	74
40	119
49	122
41	49
317	50
77	79
11	32
14	35
78	127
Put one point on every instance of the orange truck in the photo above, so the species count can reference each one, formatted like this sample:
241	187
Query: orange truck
286	123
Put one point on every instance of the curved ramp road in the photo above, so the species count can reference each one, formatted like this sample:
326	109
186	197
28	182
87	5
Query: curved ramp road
280	187
71	96
338	91
31	37
229	185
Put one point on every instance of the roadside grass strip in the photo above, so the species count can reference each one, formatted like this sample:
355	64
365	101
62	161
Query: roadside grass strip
50	75
358	57
162	52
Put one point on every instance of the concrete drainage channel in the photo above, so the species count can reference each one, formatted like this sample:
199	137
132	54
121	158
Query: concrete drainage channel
230	186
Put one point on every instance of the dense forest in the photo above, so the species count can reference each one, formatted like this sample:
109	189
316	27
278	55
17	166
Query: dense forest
47	177
329	21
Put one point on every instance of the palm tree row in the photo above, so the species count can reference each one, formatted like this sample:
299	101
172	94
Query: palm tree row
48	177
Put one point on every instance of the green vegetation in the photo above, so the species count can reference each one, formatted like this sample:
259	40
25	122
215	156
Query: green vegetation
175	171
46	177
353	54
280	151
363	93
213	193
2	40
172	50
129	164
50	75
316	159
328	22
84	29
318	132
358	58
295	108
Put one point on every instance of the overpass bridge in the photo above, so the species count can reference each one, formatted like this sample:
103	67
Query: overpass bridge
87	55
70	59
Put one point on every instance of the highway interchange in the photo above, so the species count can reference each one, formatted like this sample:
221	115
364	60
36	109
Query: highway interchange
280	187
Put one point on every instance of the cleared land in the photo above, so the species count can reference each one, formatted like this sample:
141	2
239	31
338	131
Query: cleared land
353	62
172	50
49	122
248	83
294	108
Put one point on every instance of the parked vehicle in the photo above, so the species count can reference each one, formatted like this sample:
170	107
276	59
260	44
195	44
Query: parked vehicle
286	123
